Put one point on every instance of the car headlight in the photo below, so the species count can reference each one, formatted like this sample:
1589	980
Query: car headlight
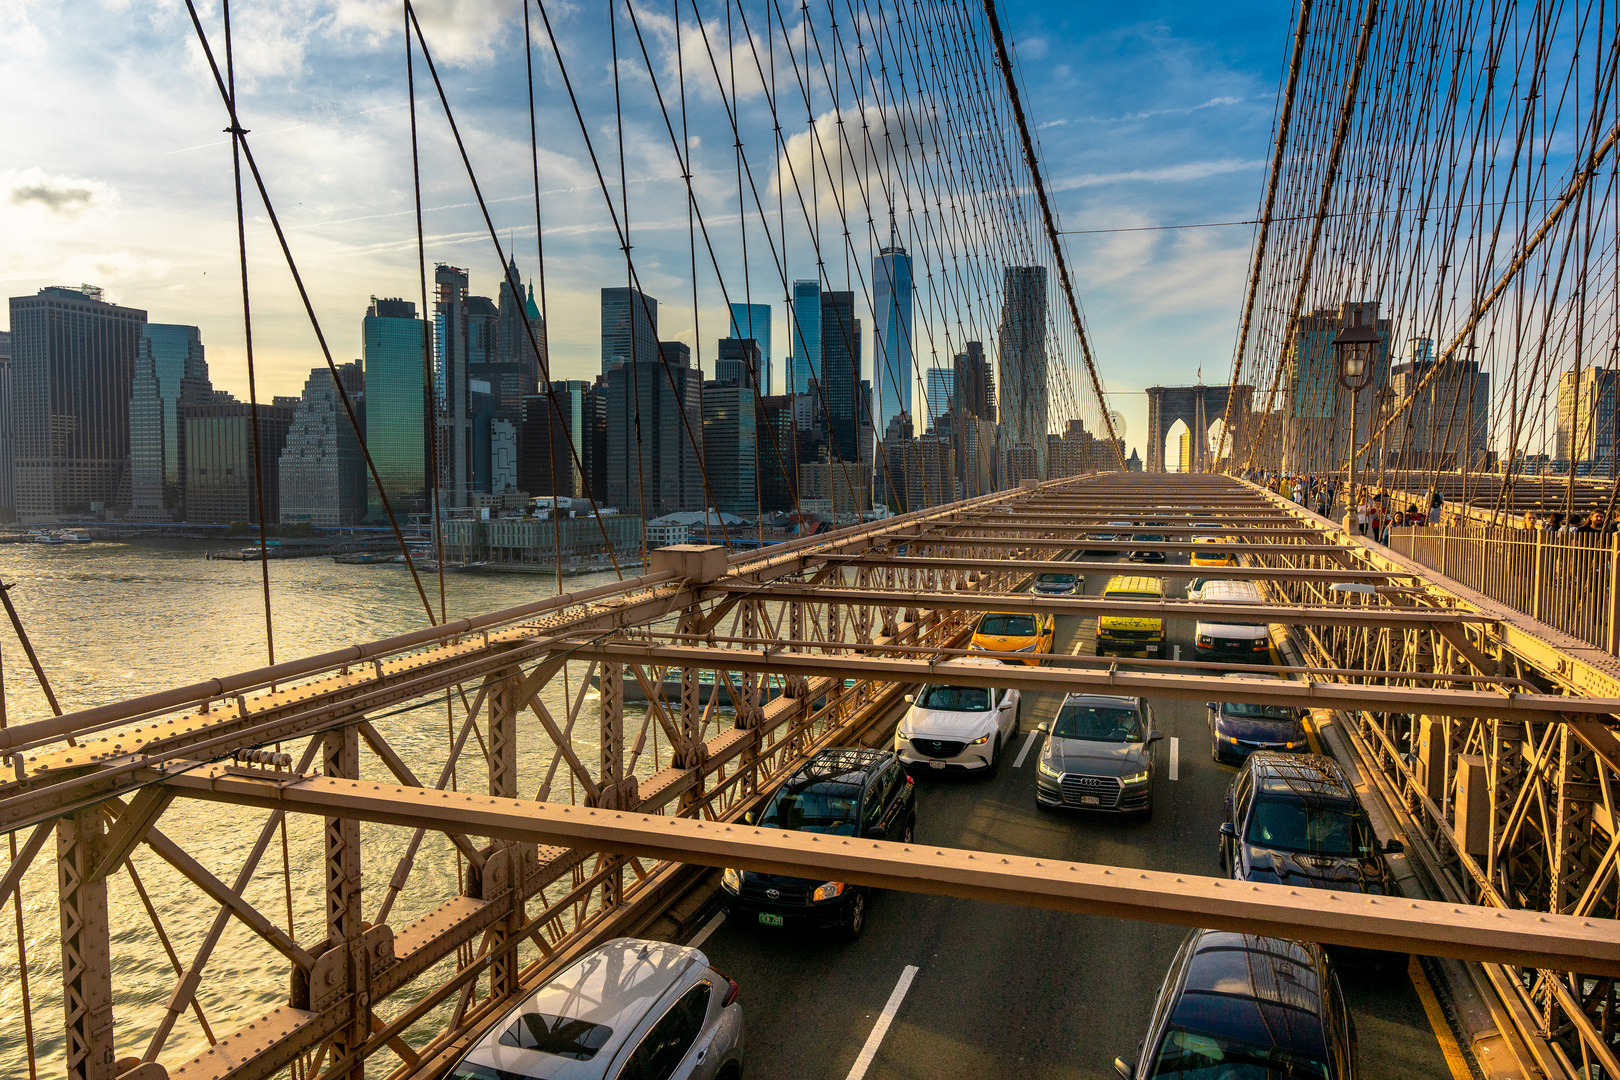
831	890
1135	778
731	881
980	741
1045	767
1027	648
1262	644
1205	640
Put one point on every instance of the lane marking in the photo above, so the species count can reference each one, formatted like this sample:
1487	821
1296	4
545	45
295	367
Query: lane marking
1024	753
1175	758
708	928
1178	651
1310	732
1437	1020
868	1052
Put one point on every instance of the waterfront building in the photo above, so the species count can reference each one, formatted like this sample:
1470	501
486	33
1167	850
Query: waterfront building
8	435
804	322
629	328
1021	344
654	413
892	310
322	471
72	367
754	321
170	369
397	409
452	353
220	464
551	437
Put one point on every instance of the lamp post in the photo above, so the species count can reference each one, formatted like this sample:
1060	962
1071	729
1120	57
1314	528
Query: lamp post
1353	352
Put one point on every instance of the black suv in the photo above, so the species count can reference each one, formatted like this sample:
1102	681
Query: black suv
1240	1005
842	792
1293	819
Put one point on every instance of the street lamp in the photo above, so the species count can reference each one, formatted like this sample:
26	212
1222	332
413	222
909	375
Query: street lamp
1354	351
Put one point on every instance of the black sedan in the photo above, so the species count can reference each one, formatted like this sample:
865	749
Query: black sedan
1236	1005
1147	554
841	792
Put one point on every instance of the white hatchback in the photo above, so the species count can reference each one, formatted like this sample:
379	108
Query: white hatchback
958	728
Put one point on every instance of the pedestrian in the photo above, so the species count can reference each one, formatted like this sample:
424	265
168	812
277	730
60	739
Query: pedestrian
1362	512
1530	522
1435	503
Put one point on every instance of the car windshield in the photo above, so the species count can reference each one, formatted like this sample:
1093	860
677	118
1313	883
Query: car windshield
1004	625
1056	579
954	698
824	808
1185	1053
560	1035
1257	712
1132	596
1098	723
1295	825
1148	538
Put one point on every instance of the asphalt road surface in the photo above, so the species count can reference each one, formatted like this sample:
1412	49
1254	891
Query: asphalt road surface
940	988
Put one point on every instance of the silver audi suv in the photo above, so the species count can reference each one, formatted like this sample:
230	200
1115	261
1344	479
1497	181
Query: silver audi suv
1098	755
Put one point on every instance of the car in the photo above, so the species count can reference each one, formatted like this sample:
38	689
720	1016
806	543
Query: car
1014	632
1293	819
1058	584
628	1008
1131	633
1195	588
842	791
1238	729
958	728
1099	536
1240	1005
1147	554
1098	755
1203	555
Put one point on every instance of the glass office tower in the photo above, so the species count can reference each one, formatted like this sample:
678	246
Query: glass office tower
396	406
804	362
892	308
754	321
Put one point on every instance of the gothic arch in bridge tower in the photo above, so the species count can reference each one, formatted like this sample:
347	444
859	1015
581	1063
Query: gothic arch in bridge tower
1177	451
1200	409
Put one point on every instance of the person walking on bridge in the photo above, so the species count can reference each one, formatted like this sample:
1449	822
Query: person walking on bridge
1435	503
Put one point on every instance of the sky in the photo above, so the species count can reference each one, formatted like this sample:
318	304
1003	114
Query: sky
117	172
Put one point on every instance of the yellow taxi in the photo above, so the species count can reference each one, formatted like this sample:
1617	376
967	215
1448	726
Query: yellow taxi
1129	633
1014	632
1212	558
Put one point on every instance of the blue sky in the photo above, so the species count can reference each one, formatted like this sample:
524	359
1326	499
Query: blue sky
116	172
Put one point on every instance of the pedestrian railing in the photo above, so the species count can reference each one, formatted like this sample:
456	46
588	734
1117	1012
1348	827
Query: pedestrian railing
1566	580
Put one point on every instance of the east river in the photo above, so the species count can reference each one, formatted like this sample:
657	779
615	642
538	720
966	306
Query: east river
112	621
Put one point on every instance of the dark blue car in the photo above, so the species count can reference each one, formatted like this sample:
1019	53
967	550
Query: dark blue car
1238	729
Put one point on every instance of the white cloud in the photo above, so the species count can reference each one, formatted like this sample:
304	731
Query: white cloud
18	35
1189	170
458	32
32	191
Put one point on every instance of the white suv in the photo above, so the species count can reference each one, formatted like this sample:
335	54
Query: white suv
958	728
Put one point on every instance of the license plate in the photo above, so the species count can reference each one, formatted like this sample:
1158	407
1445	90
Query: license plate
1152	648
1085	800
767	919
936	764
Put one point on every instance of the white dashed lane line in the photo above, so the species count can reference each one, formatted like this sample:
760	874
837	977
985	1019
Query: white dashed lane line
1018	763
881	1028
1175	758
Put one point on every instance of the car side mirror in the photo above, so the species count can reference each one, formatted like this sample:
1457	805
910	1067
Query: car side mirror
876	832
1155	736
1042	727
1127	1071
1211	705
1005	705
750	816
1393	847
911	699
1228	830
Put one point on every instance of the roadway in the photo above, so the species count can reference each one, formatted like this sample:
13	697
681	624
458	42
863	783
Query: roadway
1004	991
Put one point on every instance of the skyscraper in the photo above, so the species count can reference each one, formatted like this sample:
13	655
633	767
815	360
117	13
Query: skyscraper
840	373
754	321
622	310
453	345
1022	359
73	363
1588	431
975	384
892	308
730	430
736	363
322	474
1448	422
8	434
396	414
552	436
941	393
513	345
804	359
169	370
220	464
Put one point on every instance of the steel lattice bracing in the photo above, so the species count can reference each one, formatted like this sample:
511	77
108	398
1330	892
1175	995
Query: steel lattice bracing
778	634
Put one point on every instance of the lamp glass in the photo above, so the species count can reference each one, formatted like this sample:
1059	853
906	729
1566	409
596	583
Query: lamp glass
1354	359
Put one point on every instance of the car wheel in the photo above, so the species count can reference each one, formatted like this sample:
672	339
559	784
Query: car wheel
1018	717
995	757
857	917
911	831
1100	651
